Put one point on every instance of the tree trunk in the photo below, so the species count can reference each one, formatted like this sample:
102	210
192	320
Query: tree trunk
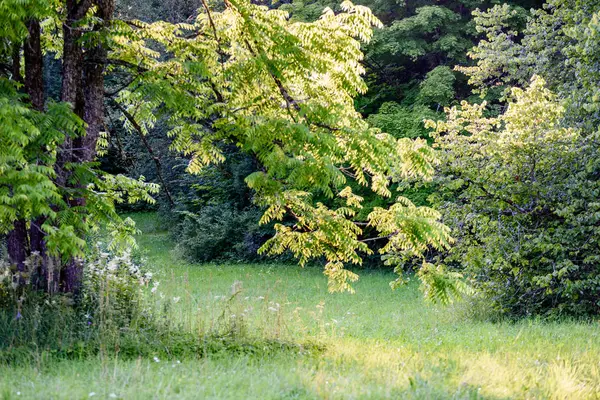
19	240
83	88
72	73
71	92
94	65
18	246
34	86
37	244
16	63
34	64
83	84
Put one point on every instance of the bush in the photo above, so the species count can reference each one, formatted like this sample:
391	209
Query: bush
402	121
521	195
221	233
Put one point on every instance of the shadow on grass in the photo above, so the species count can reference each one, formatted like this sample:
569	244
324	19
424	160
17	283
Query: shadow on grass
144	343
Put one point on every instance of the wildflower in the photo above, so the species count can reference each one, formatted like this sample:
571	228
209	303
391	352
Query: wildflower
156	359
154	286
176	299
92	394
19	316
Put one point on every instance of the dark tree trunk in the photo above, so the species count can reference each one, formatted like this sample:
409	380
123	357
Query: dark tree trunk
16	63
71	92
18	245
83	86
72	73
19	240
34	64
72	68
34	86
37	244
95	62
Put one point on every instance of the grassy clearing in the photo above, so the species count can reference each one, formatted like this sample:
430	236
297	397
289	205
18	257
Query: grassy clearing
374	344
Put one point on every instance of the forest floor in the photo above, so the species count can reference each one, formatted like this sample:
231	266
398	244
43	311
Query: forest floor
376	343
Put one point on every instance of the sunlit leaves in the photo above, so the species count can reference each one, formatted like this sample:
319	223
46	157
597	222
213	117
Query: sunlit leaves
282	91
520	193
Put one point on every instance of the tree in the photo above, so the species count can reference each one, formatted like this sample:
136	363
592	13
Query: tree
560	42
282	91
52	193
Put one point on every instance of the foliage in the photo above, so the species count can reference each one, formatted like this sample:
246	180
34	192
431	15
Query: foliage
52	193
283	92
498	55
417	37
438	87
221	233
27	181
559	42
520	193
400	121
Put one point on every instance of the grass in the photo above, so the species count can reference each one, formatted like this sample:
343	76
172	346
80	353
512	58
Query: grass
374	344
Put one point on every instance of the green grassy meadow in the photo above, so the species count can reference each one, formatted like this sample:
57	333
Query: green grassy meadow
374	344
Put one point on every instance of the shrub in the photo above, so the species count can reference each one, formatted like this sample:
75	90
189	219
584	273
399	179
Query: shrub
222	233
402	121
521	195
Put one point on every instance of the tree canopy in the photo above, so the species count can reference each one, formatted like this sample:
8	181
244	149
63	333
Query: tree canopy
277	89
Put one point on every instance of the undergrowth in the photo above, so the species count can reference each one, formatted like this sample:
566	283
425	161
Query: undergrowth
122	313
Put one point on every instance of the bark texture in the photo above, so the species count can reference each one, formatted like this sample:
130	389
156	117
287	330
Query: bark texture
83	86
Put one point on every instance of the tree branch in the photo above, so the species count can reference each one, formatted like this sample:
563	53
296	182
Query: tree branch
155	158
